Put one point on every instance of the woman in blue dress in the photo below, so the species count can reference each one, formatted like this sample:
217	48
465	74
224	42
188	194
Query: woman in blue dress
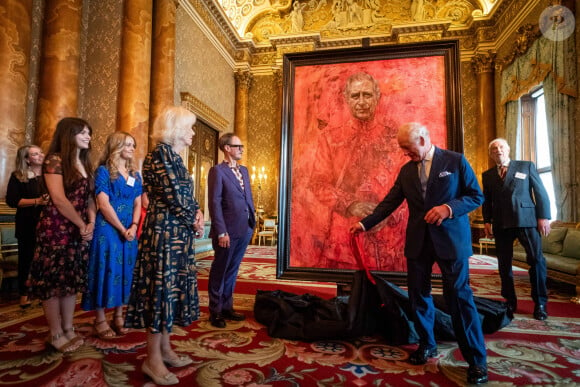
118	189
164	289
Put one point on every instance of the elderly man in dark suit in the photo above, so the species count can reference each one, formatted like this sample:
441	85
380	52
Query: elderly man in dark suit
231	208
440	189
517	206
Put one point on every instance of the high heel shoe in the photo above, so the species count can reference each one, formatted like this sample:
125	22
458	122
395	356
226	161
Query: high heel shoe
181	361
76	341
63	348
106	333
118	325
167	380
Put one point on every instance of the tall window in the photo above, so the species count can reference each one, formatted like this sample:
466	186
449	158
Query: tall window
534	141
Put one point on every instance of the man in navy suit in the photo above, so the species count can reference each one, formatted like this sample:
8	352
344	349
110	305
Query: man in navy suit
517	206
231	208
440	189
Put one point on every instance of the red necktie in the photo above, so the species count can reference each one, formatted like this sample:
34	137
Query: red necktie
502	171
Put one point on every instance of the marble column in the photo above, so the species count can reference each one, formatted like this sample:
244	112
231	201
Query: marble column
60	59
243	83
162	59
15	45
135	74
483	65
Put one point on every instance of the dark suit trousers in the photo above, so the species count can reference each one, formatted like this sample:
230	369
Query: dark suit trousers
531	241
224	272
458	298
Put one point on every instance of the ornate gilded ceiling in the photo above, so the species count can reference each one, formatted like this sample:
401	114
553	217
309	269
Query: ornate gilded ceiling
261	19
258	32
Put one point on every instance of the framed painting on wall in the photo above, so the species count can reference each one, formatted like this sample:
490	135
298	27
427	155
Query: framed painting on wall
340	155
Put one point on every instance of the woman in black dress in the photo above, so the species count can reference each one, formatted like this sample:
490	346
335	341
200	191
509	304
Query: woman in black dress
24	193
164	289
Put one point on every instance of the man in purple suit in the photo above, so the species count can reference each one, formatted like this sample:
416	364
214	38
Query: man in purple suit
232	213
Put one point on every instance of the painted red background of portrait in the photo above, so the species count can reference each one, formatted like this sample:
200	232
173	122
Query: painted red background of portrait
412	89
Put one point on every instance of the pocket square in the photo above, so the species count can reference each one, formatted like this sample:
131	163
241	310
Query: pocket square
444	173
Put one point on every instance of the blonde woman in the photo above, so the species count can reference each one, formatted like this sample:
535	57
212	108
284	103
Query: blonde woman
164	289
113	251
24	193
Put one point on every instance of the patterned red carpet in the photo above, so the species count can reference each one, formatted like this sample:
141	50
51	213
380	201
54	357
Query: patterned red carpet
525	353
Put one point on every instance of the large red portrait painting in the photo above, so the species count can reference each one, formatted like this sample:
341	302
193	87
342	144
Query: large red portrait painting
341	155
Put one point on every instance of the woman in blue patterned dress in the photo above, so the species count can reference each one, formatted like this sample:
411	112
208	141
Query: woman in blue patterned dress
64	231
164	290
113	251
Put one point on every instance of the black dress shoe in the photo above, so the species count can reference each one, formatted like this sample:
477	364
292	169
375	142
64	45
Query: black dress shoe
217	320
232	315
477	374
512	305
540	312
421	355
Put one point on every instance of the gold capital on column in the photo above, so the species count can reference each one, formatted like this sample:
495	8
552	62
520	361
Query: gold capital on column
135	74
15	43
162	58
243	83
59	78
484	67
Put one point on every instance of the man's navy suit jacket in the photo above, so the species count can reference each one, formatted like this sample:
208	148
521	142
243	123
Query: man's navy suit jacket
452	182
518	201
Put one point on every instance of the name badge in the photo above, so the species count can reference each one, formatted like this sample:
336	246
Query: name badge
130	181
520	175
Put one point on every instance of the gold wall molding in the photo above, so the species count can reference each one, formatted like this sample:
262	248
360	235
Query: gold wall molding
526	35
204	112
483	62
251	32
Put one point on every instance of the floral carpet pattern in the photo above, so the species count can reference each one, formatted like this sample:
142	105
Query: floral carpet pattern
525	353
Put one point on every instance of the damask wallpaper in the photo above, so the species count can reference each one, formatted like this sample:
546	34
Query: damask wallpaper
264	138
201	70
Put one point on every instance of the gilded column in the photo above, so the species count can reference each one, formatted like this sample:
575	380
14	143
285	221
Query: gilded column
483	65
135	74
60	59
243	83
162	58
15	44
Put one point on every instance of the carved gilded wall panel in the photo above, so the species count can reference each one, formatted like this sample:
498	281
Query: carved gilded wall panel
264	138
201	70
99	84
469	93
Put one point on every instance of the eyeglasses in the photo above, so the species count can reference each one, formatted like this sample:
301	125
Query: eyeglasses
236	146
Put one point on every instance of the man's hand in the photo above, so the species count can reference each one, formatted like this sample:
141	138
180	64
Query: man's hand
356	228
437	215
224	241
544	226
488	230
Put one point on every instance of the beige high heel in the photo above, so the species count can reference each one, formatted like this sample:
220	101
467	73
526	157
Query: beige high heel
167	380
181	361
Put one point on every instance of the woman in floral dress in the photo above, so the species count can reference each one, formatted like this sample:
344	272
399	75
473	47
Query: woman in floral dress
164	290
118	190
64	231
